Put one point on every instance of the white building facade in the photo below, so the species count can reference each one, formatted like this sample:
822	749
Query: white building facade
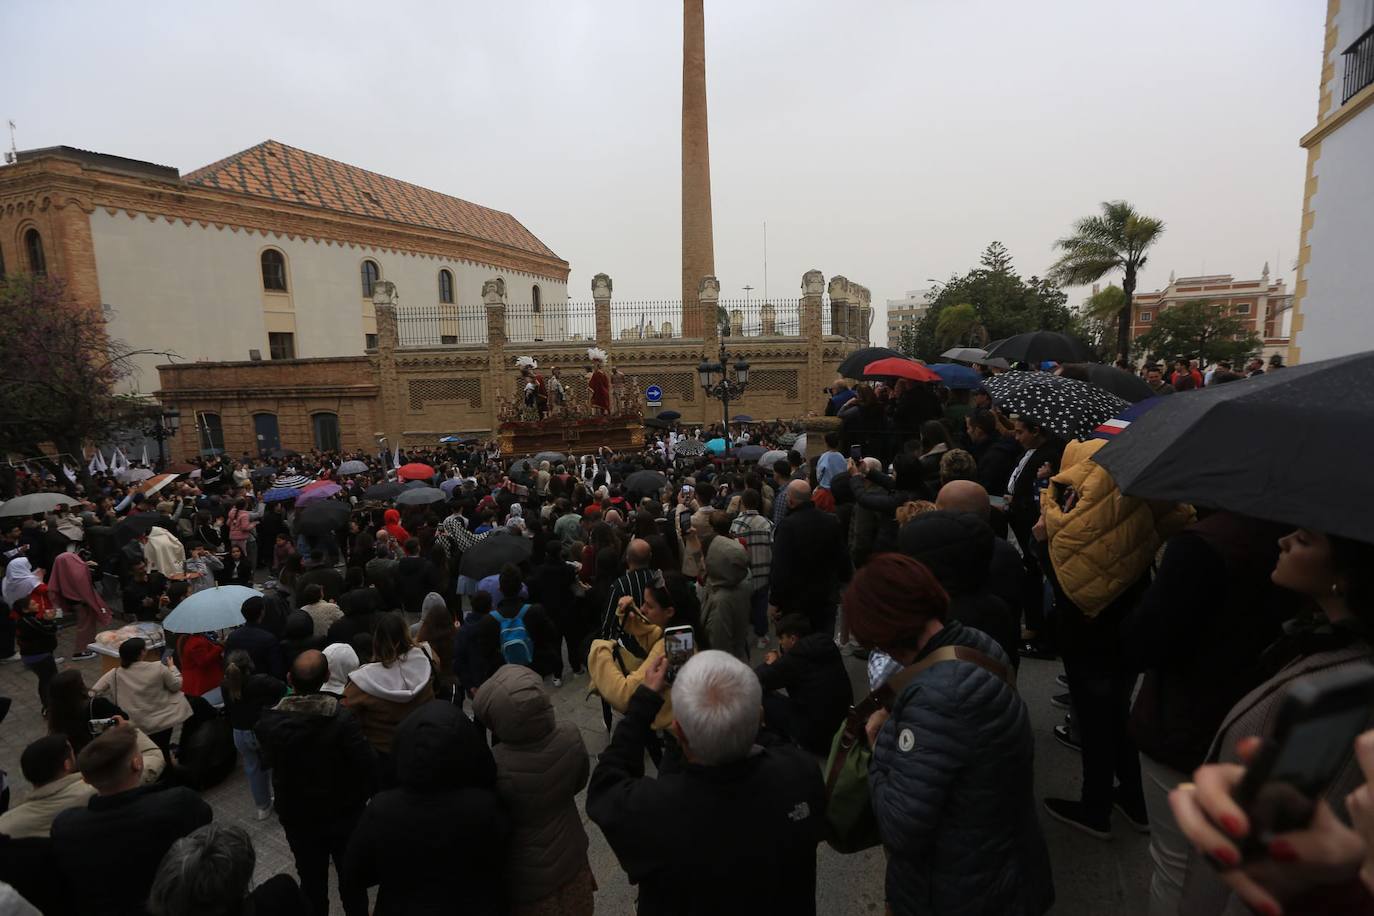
1333	311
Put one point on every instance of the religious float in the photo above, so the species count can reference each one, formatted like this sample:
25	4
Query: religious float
553	412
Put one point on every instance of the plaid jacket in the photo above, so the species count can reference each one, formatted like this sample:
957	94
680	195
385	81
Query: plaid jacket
757	534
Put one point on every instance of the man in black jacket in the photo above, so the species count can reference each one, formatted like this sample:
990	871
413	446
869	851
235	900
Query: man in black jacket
808	666
256	640
323	773
810	560
109	851
701	840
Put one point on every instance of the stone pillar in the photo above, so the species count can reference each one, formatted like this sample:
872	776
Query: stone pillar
499	374
698	247
708	301
813	285
601	295
839	306
865	316
384	301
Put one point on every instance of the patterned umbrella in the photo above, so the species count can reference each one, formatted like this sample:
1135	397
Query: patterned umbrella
1067	407
291	482
690	448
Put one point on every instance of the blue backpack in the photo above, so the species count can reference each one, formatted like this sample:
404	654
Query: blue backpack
516	646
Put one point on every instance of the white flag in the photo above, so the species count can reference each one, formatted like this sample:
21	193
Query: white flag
70	474
118	462
396	456
145	456
98	465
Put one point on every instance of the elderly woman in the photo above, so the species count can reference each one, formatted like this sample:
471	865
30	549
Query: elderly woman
955	806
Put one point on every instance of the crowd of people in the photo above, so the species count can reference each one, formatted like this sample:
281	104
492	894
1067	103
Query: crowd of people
389	694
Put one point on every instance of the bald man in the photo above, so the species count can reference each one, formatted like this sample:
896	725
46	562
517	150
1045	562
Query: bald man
1006	570
810	561
632	582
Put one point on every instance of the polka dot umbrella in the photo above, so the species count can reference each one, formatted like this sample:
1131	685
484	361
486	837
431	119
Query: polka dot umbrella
1067	407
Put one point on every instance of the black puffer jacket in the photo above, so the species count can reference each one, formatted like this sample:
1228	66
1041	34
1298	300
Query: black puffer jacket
406	839
813	675
952	787
957	547
322	767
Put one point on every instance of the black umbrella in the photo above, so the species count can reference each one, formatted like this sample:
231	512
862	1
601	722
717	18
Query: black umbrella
1119	382
284	453
383	492
421	496
522	466
136	525
1067	407
656	423
262	473
853	365
1040	346
741	418
488	555
321	518
416	485
749	452
669	415
550	457
644	483
1284	446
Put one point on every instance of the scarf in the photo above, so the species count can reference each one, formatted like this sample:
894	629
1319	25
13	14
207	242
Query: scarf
69	583
19	580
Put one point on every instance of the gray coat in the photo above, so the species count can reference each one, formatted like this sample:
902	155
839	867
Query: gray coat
951	784
725	609
541	765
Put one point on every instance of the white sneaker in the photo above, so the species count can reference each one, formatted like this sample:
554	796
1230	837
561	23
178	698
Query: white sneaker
264	813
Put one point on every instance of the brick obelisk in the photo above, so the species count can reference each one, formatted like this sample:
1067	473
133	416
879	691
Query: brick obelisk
698	248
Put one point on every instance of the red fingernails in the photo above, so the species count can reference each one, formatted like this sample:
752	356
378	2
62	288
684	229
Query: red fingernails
1226	856
1282	851
1231	824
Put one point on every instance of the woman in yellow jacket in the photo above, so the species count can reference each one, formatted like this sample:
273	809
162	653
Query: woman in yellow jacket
617	666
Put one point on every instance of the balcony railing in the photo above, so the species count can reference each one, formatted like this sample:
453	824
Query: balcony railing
1359	65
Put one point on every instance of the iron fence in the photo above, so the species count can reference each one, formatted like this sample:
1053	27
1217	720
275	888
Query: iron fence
551	322
655	319
761	318
422	326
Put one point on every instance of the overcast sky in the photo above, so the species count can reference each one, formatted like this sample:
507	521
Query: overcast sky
887	141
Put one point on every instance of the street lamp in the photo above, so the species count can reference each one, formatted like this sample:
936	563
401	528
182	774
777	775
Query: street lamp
717	383
165	426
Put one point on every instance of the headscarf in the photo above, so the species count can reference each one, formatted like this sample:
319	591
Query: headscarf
70	582
19	580
392	518
432	600
343	661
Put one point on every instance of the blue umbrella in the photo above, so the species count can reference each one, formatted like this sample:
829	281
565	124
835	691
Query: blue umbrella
277	494
453	483
216	608
716	445
957	377
447	440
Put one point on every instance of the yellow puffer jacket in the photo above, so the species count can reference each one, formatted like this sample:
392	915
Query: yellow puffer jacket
1106	540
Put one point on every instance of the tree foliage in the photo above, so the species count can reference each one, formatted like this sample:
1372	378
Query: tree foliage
1001	303
1202	331
1117	239
58	371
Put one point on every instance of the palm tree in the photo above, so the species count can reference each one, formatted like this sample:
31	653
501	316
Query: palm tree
1118	239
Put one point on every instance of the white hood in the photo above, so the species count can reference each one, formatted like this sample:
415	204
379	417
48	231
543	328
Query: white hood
401	682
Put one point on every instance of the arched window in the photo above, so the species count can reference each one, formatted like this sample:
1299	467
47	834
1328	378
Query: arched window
274	270
211	433
446	286
33	243
326	431
266	432
534	297
371	274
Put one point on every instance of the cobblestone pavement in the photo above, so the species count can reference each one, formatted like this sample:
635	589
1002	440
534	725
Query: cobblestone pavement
1091	877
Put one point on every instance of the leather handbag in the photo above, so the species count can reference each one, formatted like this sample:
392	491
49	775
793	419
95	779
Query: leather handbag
849	808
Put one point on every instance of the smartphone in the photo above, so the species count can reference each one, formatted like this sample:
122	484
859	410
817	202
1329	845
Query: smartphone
679	644
856	452
98	726
1312	740
997	502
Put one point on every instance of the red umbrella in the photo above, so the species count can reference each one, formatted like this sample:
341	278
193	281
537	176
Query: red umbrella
415	471
897	367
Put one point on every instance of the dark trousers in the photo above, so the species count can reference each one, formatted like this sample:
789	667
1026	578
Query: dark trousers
1032	592
1102	708
313	845
758	611
163	740
571	627
44	669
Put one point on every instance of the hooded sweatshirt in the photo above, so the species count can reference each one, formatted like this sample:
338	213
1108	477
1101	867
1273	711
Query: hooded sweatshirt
380	696
392	519
343	661
725	611
541	765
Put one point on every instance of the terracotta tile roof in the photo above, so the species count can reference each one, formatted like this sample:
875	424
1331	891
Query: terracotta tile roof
284	173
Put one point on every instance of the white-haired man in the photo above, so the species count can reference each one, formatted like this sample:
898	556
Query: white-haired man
700	838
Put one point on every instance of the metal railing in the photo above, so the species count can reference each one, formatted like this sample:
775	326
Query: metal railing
551	322
422	326
1359	65
761	318
649	319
